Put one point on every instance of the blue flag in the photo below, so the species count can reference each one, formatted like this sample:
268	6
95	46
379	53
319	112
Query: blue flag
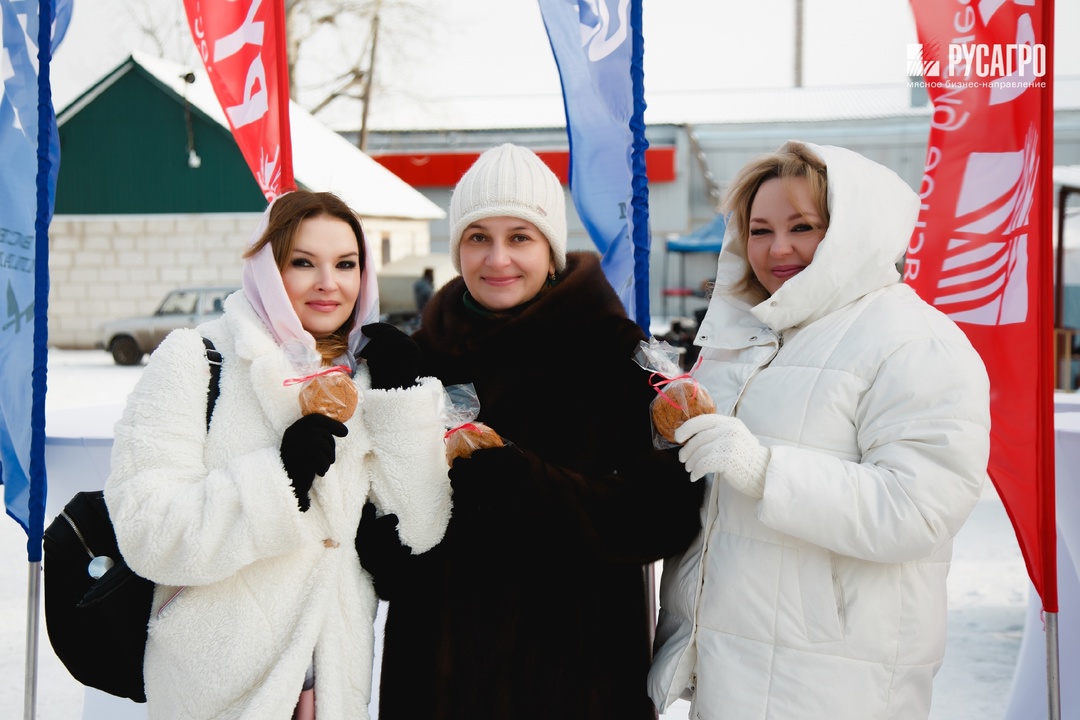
27	186
598	49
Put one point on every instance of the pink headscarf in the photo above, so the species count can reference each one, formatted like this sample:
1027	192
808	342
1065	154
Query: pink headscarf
266	292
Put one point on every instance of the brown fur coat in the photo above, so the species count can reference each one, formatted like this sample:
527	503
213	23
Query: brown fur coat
534	604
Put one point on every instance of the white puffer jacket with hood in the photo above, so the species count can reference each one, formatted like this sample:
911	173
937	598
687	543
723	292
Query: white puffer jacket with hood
826	598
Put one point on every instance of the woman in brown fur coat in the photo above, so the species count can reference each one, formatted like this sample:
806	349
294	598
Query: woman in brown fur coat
534	604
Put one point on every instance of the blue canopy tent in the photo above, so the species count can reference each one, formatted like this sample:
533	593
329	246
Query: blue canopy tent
706	239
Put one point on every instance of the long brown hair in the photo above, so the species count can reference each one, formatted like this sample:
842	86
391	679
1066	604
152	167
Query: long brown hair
288	211
791	160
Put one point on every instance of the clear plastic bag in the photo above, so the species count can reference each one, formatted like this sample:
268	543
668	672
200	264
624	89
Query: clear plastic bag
464	433
329	391
679	396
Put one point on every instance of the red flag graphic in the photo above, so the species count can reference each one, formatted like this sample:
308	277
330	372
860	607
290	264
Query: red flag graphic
981	251
242	45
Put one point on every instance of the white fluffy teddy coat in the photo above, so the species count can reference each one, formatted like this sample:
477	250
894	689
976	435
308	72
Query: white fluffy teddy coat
250	589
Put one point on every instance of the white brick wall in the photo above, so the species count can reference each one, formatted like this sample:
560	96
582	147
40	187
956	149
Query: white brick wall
107	267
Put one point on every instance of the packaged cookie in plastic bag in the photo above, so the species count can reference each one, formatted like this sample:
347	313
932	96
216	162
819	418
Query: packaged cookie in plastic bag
328	391
465	433
679	396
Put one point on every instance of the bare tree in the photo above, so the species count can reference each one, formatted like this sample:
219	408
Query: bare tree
366	99
330	46
164	28
342	71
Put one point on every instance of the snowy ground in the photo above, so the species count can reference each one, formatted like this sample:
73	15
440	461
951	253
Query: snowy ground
988	588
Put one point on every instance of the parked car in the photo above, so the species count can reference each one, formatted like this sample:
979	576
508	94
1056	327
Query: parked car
128	340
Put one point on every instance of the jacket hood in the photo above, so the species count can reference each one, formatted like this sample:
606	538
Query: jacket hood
872	213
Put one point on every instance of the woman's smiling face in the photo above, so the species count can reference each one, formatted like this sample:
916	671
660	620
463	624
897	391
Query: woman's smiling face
784	231
505	261
322	274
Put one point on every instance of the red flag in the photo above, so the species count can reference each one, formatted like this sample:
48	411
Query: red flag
242	45
981	251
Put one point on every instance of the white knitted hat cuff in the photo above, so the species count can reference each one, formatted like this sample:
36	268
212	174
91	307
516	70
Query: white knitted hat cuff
510	181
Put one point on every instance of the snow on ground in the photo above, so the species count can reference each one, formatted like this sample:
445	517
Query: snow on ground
988	587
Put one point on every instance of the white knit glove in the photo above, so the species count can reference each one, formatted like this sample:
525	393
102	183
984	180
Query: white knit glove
722	444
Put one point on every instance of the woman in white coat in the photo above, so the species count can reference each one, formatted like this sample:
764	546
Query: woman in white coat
248	527
849	445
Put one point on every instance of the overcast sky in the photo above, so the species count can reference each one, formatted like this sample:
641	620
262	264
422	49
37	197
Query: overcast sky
486	48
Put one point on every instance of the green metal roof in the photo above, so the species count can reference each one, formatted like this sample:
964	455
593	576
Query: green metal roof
124	150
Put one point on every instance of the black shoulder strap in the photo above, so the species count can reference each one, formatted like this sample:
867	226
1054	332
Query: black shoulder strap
214	358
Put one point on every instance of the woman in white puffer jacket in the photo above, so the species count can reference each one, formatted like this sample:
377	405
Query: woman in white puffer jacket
248	528
849	445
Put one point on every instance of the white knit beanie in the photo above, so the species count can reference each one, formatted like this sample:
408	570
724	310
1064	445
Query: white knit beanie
510	181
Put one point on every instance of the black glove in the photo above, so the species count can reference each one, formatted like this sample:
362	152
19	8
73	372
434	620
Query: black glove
657	466
393	358
492	479
380	550
307	450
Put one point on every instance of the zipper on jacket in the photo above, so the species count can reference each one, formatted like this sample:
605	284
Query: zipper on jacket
779	347
767	363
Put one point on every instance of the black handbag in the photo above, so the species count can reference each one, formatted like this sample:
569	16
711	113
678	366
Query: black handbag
96	608
97	626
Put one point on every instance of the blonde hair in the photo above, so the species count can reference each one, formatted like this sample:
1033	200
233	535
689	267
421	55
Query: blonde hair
793	159
286	215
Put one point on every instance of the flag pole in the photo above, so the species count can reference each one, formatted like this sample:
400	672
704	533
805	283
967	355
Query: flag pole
1048	350
640	239
33	602
36	513
1053	669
